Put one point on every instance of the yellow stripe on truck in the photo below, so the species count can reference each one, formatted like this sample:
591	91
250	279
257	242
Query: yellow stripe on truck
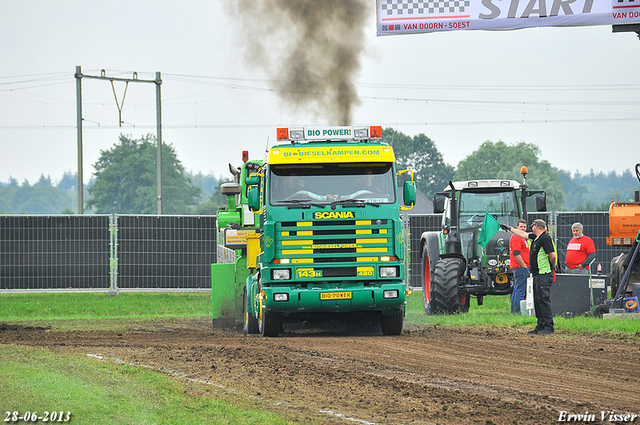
377	249
315	154
372	240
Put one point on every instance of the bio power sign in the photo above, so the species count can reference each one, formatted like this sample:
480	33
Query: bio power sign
417	16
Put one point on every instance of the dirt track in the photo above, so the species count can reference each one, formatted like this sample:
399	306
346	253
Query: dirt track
427	375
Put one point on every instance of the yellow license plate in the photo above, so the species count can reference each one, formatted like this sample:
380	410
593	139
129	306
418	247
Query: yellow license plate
335	296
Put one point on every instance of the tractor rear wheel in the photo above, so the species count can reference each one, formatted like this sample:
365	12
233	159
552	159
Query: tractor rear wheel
426	280
444	287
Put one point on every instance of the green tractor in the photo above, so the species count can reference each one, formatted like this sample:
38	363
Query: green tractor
454	266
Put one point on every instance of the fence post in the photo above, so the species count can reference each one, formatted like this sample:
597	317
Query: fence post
113	256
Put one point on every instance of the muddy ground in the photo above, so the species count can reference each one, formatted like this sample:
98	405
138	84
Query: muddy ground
428	375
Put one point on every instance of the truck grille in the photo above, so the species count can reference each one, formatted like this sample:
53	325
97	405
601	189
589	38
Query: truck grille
335	241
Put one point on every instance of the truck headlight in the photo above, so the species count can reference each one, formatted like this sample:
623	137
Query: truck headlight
388	272
281	274
281	297
390	293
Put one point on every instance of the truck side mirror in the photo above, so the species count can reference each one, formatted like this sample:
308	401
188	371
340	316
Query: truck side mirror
252	180
253	198
438	203
409	191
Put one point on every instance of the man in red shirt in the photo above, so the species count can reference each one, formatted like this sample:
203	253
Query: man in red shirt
581	251
519	256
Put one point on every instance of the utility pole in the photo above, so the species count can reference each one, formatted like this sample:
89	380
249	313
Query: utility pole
158	82
78	76
135	79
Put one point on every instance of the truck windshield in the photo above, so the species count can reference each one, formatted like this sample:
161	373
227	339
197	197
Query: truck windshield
472	206
371	183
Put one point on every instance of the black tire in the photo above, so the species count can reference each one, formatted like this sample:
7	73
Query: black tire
444	287
268	325
617	273
426	280
250	322
600	310
392	324
465	302
430	256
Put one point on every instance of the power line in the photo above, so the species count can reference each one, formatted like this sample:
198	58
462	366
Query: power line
252	86
412	123
233	82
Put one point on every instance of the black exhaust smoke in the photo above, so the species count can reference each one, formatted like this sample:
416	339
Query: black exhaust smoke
309	48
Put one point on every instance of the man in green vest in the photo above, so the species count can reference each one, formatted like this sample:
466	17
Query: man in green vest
543	261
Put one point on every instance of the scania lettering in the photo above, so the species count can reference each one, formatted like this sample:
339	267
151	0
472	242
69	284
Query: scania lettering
330	235
341	214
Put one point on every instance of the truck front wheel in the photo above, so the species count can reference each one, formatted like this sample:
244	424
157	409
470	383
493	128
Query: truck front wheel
444	287
250	322
392	324
267	324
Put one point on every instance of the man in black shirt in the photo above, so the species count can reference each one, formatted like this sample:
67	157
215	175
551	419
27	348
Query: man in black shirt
542	259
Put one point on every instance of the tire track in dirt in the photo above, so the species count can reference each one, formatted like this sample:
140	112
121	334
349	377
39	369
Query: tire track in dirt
427	375
502	369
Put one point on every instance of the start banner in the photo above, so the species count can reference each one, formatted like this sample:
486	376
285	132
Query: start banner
417	16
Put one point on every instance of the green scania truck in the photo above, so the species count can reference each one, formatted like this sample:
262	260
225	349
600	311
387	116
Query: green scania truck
327	239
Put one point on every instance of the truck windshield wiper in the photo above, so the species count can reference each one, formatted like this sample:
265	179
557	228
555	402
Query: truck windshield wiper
300	203
353	202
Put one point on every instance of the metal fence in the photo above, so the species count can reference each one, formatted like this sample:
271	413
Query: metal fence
150	251
102	251
596	226
417	225
58	252
165	251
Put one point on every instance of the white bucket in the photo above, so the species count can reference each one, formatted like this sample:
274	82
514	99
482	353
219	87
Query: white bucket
524	310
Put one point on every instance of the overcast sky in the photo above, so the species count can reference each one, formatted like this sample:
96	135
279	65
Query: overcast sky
574	92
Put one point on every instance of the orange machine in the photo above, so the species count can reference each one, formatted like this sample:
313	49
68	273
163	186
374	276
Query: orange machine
624	222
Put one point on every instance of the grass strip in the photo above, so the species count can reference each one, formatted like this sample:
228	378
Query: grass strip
100	392
496	311
67	311
90	305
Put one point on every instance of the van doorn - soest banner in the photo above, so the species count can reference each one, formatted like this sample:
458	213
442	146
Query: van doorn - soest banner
415	16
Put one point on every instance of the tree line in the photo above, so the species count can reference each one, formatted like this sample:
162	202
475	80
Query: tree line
125	179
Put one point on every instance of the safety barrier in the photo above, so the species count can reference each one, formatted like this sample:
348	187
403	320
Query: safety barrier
54	252
176	252
102	251
596	226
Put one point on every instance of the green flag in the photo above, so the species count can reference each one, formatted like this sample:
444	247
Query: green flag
489	228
